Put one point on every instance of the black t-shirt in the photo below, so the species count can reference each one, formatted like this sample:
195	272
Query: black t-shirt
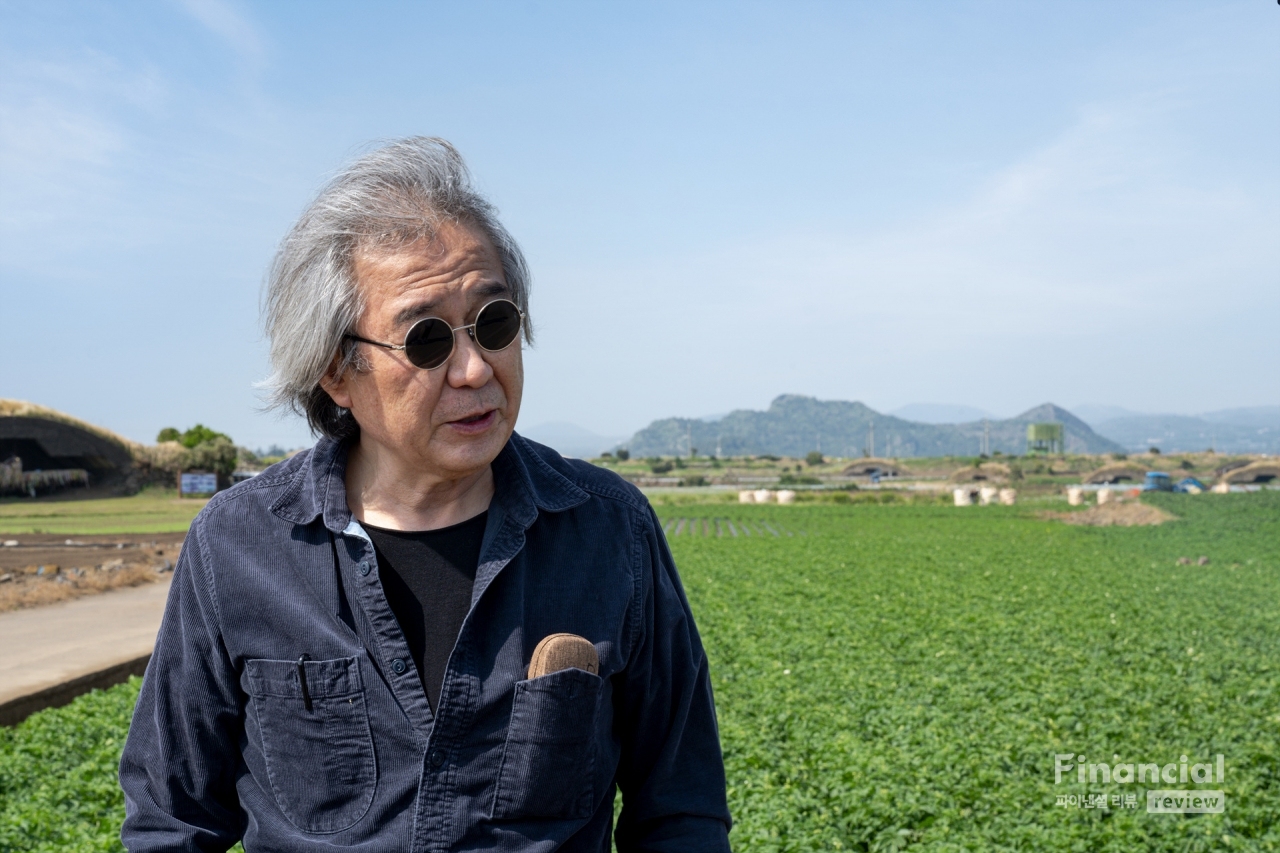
428	577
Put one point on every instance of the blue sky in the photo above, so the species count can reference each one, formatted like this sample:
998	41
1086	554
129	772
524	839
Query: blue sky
995	204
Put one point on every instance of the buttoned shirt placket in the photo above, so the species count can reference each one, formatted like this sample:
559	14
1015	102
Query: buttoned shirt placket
438	736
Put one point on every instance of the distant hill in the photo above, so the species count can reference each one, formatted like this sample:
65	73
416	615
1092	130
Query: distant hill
1250	430
794	425
1253	416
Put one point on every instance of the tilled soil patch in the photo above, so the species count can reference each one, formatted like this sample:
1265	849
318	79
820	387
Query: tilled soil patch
45	568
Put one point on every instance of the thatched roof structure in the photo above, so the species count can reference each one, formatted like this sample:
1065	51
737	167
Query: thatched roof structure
23	409
47	439
1262	471
987	472
1117	473
872	465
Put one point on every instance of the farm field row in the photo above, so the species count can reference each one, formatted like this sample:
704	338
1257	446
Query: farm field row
721	527
902	676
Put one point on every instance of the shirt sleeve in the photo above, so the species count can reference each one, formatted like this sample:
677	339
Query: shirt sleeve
671	772
179	763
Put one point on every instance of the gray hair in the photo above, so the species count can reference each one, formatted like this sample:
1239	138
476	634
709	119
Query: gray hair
395	195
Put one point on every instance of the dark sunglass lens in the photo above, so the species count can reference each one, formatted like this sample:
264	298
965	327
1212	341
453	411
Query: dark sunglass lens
497	325
429	343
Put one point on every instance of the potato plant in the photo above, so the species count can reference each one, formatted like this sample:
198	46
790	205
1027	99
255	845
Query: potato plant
901	676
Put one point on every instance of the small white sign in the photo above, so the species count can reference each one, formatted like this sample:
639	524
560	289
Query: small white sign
198	483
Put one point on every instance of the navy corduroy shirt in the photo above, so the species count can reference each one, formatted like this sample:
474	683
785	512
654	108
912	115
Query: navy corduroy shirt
282	705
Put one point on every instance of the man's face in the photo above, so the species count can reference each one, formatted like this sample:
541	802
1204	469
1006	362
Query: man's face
451	421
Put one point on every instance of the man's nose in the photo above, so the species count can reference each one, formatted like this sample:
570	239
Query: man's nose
467	367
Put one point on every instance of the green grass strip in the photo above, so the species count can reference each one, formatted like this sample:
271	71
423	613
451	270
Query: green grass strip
149	511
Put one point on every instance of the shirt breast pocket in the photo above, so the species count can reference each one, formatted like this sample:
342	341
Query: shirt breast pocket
319	759
548	760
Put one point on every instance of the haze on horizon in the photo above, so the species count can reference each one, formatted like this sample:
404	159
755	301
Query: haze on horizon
989	205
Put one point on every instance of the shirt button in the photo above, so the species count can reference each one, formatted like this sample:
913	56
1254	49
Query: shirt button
398	667
363	567
437	757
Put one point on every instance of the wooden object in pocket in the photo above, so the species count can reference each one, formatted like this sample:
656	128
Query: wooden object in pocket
563	651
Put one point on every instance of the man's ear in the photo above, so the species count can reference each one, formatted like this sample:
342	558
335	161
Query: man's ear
335	384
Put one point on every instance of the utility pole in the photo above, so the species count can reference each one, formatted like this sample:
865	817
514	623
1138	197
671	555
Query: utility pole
871	440
986	437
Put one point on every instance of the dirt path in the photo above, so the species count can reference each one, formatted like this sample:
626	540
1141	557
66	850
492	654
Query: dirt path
42	649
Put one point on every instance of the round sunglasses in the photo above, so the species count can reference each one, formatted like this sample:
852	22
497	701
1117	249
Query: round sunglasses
429	342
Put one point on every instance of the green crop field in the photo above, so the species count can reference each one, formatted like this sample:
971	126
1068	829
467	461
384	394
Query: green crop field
149	511
901	676
58	787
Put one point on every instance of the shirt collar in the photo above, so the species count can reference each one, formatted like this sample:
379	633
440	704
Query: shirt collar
524	483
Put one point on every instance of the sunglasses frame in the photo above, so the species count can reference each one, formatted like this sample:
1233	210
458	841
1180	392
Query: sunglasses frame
471	333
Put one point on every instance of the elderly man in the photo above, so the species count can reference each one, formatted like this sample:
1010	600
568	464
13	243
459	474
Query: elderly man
426	633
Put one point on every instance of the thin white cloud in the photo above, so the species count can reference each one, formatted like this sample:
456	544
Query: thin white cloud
64	128
1040	283
230	24
1100	217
